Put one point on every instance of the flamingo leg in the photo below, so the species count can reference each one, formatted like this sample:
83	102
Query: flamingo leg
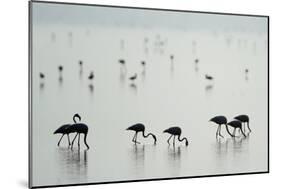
79	140
242	132
85	142
68	140
73	141
249	127
169	139
234	131
220	132
136	139
217	133
60	140
174	140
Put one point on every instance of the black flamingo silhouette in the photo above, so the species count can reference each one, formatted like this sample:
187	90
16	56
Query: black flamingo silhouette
65	129
208	77
139	127
244	119
220	120
175	131
235	124
134	77
122	61
91	76
41	75
79	128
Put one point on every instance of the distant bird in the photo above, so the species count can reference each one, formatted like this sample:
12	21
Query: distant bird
64	130
143	63
41	75
246	70
139	127
134	77
196	60
244	119
175	131
208	77
172	57
122	61
91	76
79	128
80	62
220	120
60	68
235	124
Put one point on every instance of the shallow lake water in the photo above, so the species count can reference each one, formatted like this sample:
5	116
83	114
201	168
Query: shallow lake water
164	94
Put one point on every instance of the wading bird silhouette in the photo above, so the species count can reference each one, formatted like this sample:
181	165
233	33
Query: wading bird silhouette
175	131
66	130
91	76
139	127
235	124
79	128
80	62
220	120
122	61
60	67
244	119
41	75
134	77
208	77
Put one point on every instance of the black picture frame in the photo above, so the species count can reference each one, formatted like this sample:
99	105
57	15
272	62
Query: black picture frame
30	78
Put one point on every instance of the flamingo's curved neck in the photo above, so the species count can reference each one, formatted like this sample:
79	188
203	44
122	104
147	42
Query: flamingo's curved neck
74	119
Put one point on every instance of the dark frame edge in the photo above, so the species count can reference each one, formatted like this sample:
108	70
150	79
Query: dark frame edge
30	94
268	93
149	180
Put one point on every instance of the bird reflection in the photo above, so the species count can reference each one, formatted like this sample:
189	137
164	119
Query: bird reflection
174	159
60	80
209	87
143	73
122	76
42	86
137	154
133	87
91	88
73	162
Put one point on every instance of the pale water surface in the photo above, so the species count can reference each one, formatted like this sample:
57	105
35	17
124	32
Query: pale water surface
164	95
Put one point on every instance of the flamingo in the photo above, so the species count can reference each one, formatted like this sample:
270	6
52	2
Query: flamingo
220	120
79	128
244	119
122	61
134	77
41	75
60	68
208	77
175	131
139	127
235	124
91	76
80	62
65	130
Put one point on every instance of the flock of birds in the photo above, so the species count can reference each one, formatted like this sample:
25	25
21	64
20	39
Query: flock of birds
175	132
81	128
